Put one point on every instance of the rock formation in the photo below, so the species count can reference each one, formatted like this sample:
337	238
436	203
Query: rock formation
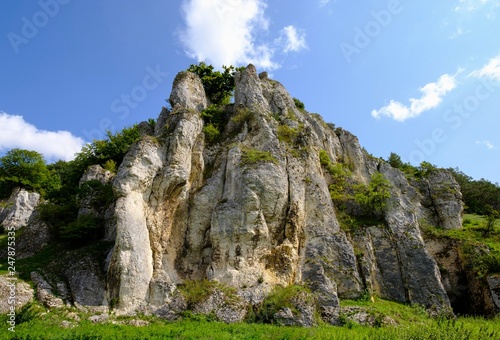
16	211
254	210
189	210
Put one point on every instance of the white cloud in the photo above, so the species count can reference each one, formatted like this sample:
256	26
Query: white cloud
432	96
295	41
489	145
223	32
15	132
490	70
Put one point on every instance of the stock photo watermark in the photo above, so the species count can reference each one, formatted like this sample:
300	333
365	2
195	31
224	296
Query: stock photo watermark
11	278
364	36
454	118
129	101
30	27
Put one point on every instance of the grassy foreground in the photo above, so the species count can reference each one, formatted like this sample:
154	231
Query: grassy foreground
410	323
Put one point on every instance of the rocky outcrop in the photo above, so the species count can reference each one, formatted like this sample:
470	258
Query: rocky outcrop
14	293
16	211
96	198
35	236
255	210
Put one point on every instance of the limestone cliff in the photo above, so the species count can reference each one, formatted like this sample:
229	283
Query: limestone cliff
256	208
190	210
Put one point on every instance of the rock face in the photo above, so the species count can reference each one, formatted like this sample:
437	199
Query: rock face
35	236
13	293
17	210
254	210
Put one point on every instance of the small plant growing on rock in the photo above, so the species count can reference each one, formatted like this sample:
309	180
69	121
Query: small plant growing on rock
298	104
212	134
253	156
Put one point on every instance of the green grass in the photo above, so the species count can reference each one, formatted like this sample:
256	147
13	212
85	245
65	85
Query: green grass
254	156
481	250
412	323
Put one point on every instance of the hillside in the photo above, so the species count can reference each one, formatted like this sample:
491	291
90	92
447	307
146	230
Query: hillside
255	209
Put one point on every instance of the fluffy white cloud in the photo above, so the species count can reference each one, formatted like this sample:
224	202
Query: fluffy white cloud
223	32
489	145
15	132
432	96
295	41
490	70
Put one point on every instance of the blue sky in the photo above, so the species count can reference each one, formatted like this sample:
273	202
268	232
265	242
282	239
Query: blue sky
418	78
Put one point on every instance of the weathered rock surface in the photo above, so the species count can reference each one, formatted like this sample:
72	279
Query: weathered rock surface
34	237
14	293
253	211
16	211
45	293
188	210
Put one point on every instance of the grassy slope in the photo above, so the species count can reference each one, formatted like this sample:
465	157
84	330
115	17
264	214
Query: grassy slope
411	321
412	324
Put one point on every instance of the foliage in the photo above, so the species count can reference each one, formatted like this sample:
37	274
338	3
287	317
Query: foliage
197	291
395	161
341	187
213	114
243	115
373	197
490	219
324	159
113	148
253	156
411	323
477	194
298	104
212	133
25	169
288	134
218	85
110	165
481	251
58	215
215	121
279	298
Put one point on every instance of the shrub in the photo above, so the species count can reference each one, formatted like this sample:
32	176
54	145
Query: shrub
242	116
218	85
298	104
282	297
85	229
395	161
25	169
213	114
288	134
253	156
197	291
373	197
324	159
212	133
110	165
100	195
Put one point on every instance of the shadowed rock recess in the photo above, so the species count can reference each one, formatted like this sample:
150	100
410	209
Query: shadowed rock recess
254	210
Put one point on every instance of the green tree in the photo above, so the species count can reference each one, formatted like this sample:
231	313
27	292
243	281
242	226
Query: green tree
395	161
218	85
373	197
25	169
477	194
